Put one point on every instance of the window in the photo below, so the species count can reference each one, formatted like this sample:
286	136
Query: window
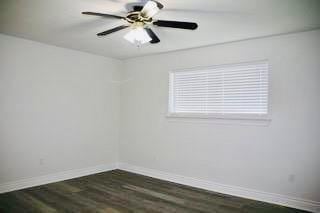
227	91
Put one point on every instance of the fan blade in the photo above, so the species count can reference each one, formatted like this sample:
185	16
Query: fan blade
137	8
151	8
103	15
153	36
112	30
176	24
160	6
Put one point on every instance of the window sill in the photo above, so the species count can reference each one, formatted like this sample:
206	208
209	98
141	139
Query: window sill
220	119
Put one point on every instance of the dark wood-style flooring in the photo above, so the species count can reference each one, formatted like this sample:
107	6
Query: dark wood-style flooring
119	191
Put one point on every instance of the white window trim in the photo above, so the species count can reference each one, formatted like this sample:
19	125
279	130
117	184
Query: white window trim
214	116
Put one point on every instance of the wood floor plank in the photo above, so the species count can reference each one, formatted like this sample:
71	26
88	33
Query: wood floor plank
32	203
118	191
155	194
9	203
65	187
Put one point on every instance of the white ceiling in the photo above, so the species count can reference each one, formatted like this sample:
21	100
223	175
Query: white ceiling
60	22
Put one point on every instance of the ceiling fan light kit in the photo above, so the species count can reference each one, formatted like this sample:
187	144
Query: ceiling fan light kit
140	20
138	36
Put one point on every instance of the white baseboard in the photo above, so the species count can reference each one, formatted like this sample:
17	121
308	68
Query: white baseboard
293	202
51	178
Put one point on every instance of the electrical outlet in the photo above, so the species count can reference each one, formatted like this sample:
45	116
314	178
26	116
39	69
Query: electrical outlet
41	161
291	178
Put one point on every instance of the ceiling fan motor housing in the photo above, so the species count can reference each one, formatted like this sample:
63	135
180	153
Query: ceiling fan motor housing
137	16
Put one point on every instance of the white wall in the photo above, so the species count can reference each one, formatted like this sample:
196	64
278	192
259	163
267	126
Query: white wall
282	157
57	105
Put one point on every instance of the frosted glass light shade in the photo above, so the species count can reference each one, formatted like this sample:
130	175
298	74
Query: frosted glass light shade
138	36
150	9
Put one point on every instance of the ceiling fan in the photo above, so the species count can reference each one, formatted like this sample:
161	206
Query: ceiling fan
140	20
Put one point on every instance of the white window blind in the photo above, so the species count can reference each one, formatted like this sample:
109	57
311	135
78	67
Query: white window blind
238	89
